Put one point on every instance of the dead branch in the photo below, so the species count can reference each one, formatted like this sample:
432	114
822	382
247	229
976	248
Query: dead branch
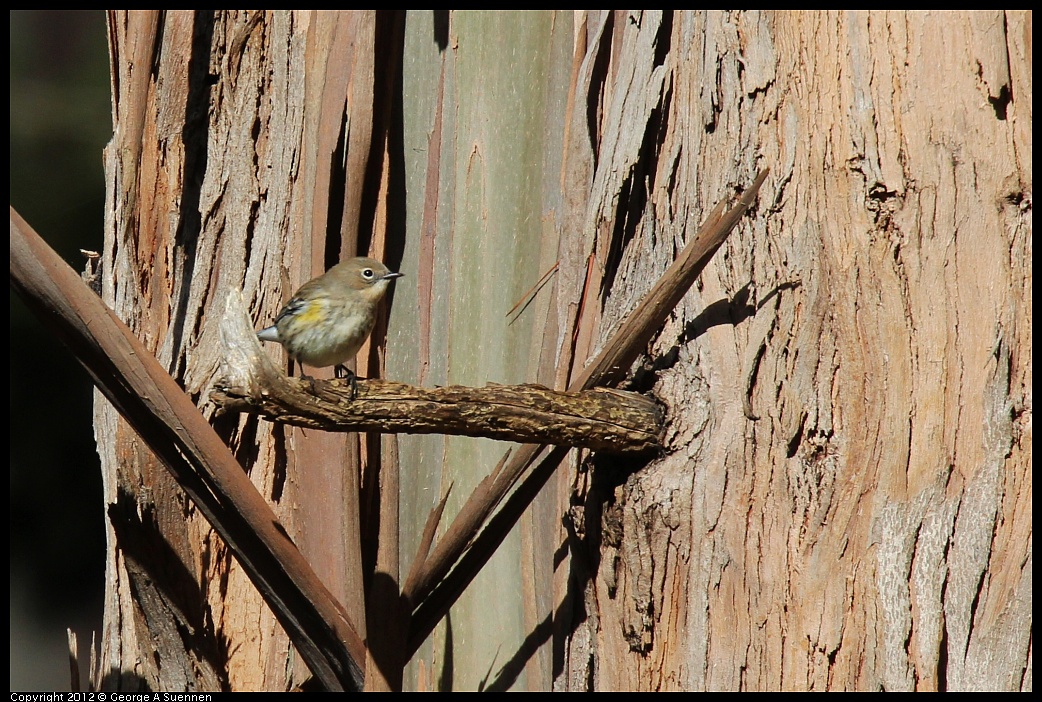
600	420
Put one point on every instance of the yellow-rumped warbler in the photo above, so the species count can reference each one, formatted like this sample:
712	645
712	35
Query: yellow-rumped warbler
328	319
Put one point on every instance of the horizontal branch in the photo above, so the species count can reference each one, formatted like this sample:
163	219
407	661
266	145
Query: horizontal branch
601	420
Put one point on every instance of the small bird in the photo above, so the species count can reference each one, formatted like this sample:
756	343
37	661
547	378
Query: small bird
328	319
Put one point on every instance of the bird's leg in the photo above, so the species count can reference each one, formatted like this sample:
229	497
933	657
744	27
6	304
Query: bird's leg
342	371
303	375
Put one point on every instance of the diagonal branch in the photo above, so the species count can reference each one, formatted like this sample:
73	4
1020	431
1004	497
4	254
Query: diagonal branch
165	418
626	344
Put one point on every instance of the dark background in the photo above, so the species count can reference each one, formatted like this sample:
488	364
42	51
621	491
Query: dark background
60	123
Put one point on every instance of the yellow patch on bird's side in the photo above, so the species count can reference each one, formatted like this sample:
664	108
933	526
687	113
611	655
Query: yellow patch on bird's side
313	314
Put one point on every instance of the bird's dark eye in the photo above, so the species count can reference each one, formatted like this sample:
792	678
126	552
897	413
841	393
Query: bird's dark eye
367	273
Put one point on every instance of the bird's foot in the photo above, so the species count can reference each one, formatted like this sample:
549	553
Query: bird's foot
342	371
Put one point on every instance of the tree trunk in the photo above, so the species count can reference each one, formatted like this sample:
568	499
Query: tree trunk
226	137
844	501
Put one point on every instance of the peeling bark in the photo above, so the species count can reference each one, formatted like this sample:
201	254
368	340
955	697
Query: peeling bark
849	389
